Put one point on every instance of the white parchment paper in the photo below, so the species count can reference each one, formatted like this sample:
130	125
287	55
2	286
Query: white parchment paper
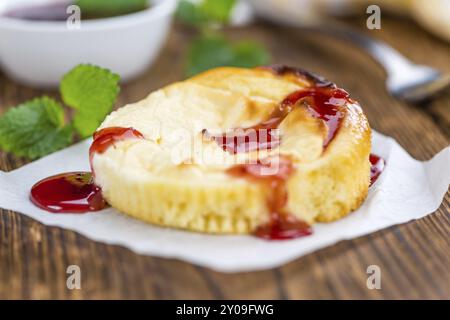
407	189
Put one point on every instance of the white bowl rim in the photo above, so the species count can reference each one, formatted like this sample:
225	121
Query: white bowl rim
159	8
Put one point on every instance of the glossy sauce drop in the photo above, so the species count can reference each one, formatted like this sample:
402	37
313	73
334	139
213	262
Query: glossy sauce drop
376	167
283	227
73	192
76	192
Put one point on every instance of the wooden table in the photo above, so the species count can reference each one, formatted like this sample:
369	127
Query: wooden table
414	258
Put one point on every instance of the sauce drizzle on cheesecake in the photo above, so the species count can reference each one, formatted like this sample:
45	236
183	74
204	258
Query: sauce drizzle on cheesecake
246	140
105	138
325	101
281	225
76	192
322	102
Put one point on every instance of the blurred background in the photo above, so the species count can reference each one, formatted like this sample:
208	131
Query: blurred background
364	46
40	40
153	43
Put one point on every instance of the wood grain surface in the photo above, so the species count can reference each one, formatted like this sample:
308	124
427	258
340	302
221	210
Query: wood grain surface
414	258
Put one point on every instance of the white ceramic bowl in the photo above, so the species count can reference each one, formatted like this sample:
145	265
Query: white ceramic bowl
38	53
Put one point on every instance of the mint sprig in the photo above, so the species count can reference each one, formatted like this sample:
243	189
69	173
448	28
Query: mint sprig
203	12
210	49
37	127
190	13
208	52
91	91
218	10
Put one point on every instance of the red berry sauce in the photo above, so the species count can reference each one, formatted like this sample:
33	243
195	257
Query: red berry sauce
73	192
325	101
282	225
105	138
376	167
76	192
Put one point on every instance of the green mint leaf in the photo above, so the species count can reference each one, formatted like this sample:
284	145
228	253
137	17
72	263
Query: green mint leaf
91	91
218	10
207	53
190	13
250	54
215	51
108	8
34	129
205	11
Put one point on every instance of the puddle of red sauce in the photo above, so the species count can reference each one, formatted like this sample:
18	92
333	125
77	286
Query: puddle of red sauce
376	167
73	192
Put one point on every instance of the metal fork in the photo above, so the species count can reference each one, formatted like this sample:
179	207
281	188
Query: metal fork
405	80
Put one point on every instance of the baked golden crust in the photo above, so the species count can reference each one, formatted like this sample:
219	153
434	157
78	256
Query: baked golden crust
165	180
